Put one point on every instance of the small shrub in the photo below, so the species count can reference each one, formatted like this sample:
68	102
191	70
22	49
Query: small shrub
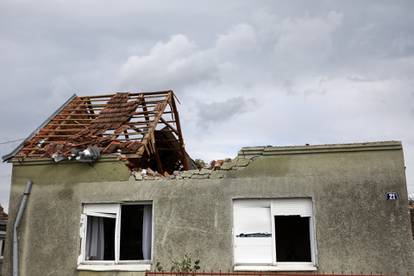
185	265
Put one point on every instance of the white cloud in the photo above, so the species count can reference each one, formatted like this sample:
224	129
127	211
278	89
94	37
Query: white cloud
168	65
180	62
239	40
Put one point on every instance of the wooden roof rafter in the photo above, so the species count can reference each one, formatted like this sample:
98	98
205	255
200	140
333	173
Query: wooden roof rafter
116	123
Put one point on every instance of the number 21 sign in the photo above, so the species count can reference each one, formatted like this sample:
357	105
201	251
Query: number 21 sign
391	196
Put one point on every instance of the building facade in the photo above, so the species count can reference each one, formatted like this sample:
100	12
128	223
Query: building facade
328	208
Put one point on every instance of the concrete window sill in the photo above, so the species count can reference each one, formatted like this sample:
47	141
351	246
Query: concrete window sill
114	267
278	267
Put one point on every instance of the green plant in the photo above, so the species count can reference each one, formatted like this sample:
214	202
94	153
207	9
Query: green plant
185	265
200	163
158	267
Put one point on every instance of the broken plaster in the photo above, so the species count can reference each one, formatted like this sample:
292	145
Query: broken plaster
237	163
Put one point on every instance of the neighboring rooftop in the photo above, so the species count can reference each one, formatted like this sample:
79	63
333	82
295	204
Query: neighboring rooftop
143	127
3	215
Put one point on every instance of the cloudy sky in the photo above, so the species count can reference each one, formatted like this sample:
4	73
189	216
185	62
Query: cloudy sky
246	72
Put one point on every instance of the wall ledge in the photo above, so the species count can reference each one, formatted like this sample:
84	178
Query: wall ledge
312	149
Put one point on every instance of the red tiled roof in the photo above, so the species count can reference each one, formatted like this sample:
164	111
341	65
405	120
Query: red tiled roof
3	215
123	123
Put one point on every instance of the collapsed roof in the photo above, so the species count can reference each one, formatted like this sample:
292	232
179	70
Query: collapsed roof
141	127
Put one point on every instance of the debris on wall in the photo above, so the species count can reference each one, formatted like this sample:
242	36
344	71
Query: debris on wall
216	170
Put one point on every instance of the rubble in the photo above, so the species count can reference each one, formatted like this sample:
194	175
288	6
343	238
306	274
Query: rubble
218	169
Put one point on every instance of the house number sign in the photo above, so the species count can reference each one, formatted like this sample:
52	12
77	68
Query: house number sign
391	196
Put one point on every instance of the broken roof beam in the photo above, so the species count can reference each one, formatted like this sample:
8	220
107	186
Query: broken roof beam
180	135
149	137
169	126
147	120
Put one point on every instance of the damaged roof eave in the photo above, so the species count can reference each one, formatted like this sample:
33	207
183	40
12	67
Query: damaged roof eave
47	160
8	157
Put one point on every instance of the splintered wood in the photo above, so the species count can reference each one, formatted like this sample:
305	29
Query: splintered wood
122	123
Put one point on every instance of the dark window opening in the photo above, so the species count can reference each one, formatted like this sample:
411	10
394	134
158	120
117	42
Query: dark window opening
136	227
292	239
100	238
131	232
2	241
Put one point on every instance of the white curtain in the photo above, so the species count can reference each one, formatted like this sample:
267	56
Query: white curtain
95	239
147	232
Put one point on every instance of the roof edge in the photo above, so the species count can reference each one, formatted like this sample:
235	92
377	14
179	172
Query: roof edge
7	157
324	148
47	160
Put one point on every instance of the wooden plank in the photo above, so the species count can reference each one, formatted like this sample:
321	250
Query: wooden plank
149	136
169	126
83	115
98	107
149	112
61	130
130	94
81	125
77	119
51	135
180	135
166	92
34	140
130	133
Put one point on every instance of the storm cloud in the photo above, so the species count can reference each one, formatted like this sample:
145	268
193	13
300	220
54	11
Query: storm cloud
246	73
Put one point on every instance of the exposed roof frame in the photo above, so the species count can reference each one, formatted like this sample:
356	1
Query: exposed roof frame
115	123
7	157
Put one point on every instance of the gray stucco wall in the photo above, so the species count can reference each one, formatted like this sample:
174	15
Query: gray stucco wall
356	228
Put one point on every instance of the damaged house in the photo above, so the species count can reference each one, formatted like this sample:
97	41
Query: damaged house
105	187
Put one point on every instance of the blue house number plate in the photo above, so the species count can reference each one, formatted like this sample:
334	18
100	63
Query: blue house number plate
391	196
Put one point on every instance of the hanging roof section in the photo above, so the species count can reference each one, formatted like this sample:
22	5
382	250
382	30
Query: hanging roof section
123	123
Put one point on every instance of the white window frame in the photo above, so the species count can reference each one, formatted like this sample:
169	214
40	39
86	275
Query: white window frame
111	210
281	207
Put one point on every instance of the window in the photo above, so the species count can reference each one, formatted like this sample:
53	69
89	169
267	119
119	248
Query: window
116	237
1	247
273	234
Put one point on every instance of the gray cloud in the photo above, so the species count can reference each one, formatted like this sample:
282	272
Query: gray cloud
214	113
169	64
318	71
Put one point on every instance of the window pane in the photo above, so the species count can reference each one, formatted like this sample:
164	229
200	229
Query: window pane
252	229
100	238
292	239
136	232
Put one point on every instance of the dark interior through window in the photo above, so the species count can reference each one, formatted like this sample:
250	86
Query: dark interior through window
292	239
109	228
2	247
100	238
131	232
